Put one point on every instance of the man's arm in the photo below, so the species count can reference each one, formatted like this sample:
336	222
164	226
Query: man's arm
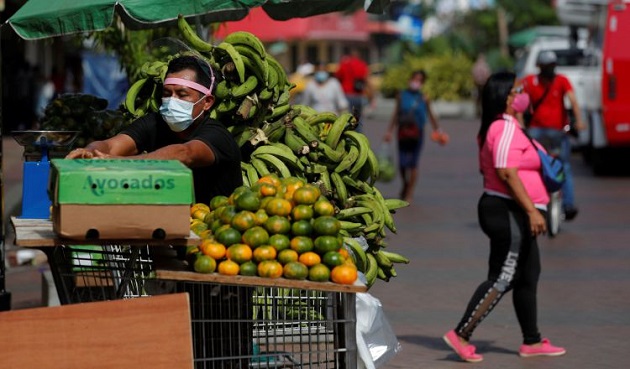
193	154
579	124
119	145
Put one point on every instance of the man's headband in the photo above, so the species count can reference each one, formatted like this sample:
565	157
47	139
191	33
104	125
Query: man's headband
194	85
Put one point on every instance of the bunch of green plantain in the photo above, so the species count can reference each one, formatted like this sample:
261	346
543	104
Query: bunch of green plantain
325	149
84	113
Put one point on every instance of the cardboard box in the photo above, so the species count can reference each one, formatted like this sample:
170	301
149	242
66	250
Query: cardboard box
120	198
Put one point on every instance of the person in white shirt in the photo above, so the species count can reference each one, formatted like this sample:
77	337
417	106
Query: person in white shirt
324	92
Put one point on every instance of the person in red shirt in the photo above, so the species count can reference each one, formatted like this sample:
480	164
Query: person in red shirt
549	120
352	74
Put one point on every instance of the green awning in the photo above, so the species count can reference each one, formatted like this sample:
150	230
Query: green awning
48	18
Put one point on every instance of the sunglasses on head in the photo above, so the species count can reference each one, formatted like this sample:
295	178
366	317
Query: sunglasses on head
517	90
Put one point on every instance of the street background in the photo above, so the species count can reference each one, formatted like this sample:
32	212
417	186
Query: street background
584	291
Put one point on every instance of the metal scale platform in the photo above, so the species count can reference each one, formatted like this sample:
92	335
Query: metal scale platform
38	148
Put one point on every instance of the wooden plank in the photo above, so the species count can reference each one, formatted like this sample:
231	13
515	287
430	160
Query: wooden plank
153	332
39	233
258	281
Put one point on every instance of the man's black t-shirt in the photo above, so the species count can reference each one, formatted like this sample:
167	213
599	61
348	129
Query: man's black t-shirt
151	133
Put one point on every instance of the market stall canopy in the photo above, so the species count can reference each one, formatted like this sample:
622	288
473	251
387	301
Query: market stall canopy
48	18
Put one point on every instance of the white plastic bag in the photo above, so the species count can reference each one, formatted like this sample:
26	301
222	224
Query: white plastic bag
386	163
376	341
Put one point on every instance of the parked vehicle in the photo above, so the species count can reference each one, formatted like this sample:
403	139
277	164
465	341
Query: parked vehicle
606	100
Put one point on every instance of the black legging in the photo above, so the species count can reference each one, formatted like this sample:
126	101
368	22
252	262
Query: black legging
514	264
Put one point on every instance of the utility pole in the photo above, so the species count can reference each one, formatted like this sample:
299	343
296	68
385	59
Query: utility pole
503	31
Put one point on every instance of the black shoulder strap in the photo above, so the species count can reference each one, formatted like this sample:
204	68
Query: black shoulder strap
542	98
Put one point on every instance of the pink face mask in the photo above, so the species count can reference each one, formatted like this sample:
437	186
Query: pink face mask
520	102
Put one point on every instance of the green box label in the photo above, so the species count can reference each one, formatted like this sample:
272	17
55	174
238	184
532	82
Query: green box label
121	181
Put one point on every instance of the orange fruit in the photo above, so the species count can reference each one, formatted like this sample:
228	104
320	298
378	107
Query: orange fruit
267	189
213	249
248	268
333	258
323	244
295	270
309	259
326	225
243	220
344	274
260	217
248	201
278	206
277	224
198	226
301	244
302	212
287	255
239	253
226	213
319	273
206	235
218	201
204	264
323	207
280	241
272	179
228	267
255	236
290	185
306	195
228	236
265	252
302	228
270	269
199	208
344	252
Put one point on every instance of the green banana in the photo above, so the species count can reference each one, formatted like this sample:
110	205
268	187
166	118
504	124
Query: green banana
363	144
305	111
324	177
278	111
321	117
395	257
373	169
276	163
236	59
245	88
353	212
304	130
388	219
226	106
393	204
284	97
341	192
254	64
337	129
260	167
250	171
371	270
265	94
348	160
350	226
279	69
132	94
222	90
360	257
247	39
382	259
330	154
191	36
293	141
283	153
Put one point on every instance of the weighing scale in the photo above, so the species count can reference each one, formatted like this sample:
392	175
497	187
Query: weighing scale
38	146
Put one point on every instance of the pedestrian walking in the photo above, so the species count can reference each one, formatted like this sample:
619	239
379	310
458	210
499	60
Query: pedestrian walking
511	213
480	73
549	119
408	120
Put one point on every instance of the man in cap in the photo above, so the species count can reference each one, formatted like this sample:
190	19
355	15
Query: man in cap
549	119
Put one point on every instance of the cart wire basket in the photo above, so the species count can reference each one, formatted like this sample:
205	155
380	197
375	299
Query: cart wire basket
233	326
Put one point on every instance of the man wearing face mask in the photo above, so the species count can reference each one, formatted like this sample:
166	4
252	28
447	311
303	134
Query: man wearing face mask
182	130
324	92
549	119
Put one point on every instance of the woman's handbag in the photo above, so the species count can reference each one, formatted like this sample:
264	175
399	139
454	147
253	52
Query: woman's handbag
552	169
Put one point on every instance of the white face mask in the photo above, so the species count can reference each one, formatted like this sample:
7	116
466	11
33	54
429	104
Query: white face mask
178	113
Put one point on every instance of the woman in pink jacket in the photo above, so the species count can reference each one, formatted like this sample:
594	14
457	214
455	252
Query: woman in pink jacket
511	213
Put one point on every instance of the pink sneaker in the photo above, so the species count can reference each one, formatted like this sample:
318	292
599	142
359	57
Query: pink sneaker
464	350
544	348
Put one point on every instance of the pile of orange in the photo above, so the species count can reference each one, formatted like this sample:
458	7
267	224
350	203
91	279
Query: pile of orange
279	227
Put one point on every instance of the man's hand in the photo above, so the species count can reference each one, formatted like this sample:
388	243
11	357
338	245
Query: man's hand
80	153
